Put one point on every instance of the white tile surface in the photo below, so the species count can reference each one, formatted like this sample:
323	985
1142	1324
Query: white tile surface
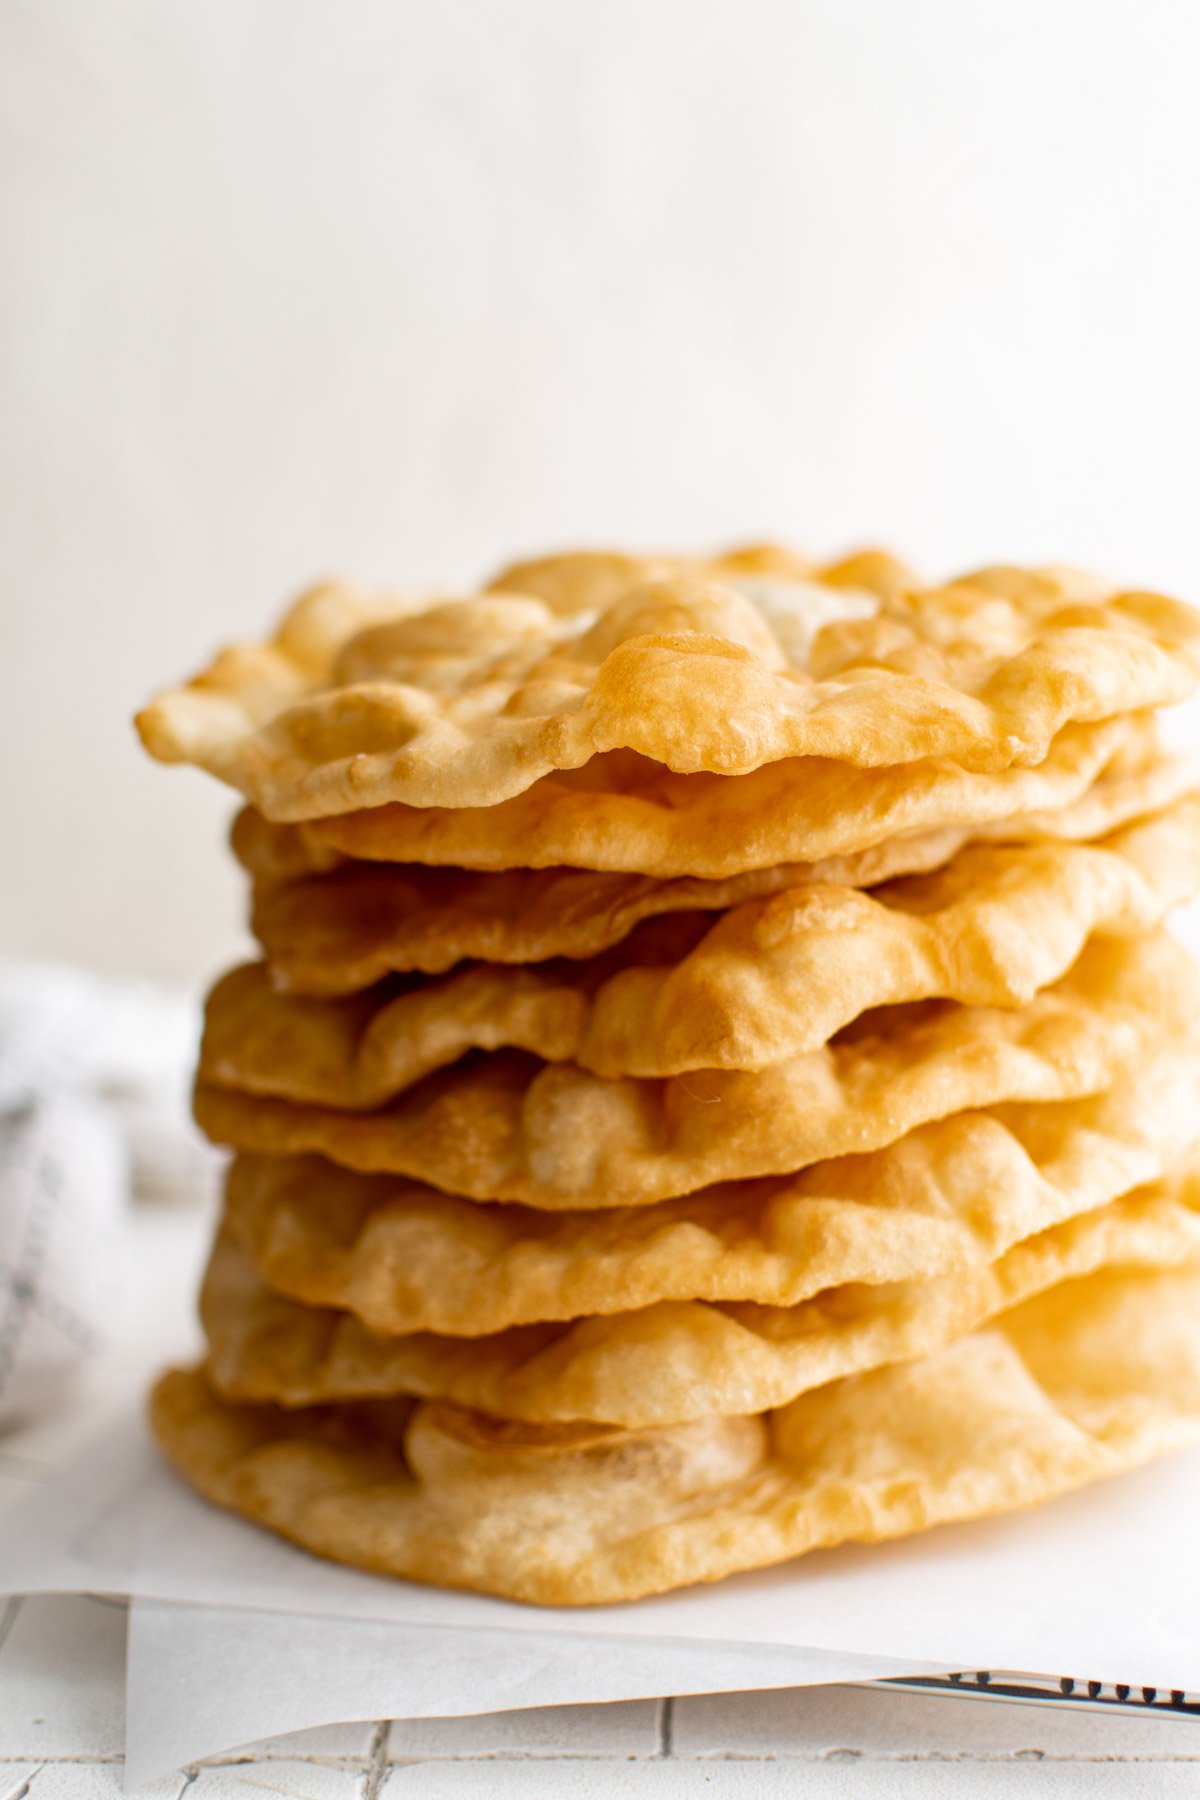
626	1728
254	1781
881	1722
324	1743
783	1781
97	1781
60	1738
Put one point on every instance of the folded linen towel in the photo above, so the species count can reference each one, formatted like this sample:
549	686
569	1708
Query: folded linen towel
94	1077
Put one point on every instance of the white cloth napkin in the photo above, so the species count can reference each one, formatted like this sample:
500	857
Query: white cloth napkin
94	1077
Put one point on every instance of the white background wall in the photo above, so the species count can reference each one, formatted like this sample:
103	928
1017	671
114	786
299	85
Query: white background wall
403	287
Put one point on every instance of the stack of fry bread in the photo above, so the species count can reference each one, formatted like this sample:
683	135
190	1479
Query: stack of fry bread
717	1082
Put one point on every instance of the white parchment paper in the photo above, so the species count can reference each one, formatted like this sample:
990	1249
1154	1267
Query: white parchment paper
203	1678
1104	1584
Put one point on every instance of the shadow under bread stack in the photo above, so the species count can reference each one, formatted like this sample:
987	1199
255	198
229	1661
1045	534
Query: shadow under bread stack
717	1083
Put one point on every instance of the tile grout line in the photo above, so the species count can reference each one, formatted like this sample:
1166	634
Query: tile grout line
88	1759
104	1759
377	1763
375	1773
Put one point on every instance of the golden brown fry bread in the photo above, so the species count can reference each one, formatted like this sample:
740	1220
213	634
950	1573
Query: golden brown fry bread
769	980
950	1197
468	703
677	1360
622	813
1092	1377
342	931
507	1128
593	580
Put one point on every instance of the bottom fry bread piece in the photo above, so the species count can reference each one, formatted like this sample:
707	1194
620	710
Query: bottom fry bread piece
1092	1377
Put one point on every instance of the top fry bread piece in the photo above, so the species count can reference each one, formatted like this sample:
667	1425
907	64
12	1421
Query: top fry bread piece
696	666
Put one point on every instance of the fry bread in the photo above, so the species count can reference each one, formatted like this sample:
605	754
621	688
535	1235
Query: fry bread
695	667
950	1197
767	981
622	813
1094	1376
676	1360
504	1127
342	931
